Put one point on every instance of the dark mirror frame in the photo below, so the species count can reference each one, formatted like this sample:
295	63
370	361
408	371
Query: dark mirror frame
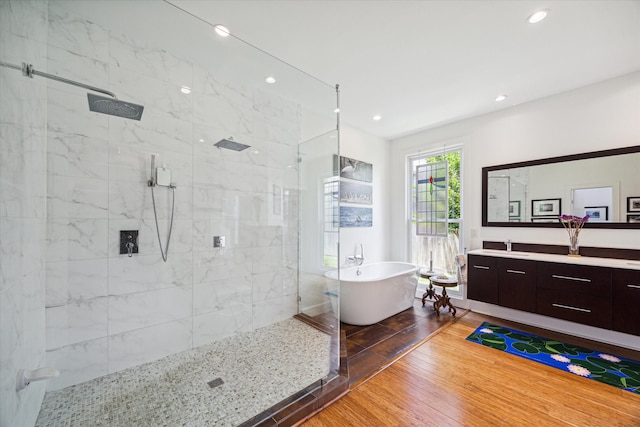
581	156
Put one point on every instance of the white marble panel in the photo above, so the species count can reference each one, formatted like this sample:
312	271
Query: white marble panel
127	201
220	264
276	130
78	363
75	281
266	259
158	96
145	345
282	157
222	294
142	273
79	67
156	133
289	281
268	286
76	322
228	112
76	239
144	309
68	112
222	323
134	55
71	197
271	106
205	136
230	175
247	207
69	154
21	251
22	172
24	18
75	34
273	310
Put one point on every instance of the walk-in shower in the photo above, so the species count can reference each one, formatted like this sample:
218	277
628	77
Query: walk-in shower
100	104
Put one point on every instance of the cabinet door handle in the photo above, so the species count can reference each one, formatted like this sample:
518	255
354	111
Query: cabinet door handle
633	286
568	307
577	279
482	267
516	272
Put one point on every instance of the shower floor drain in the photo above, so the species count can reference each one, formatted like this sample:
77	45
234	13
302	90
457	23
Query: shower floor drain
215	383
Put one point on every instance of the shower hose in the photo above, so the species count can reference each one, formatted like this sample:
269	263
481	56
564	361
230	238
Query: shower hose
164	252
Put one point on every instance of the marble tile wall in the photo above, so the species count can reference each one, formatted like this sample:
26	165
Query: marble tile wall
22	208
105	311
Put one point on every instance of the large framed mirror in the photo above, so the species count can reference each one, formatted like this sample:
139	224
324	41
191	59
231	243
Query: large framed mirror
602	184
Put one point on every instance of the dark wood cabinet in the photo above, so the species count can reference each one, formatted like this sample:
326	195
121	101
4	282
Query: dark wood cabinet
578	293
604	297
483	278
517	284
626	301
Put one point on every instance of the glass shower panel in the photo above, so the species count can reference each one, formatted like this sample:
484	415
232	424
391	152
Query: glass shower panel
107	312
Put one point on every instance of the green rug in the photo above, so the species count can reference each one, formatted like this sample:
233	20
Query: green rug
605	368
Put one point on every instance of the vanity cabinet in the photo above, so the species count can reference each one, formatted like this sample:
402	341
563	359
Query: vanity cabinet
626	301
578	293
482	274
517	284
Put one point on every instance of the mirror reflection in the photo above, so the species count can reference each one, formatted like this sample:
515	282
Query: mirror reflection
539	191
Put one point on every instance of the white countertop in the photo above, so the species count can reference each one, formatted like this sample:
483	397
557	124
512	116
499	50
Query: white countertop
582	260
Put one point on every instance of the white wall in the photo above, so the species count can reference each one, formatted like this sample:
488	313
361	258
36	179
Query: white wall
359	145
597	117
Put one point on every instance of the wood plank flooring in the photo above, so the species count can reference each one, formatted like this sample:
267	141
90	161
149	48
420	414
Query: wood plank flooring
448	381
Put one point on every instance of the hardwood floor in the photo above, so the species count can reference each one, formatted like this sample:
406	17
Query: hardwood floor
448	381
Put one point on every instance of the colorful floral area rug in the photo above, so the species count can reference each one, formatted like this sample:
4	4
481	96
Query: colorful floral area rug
606	368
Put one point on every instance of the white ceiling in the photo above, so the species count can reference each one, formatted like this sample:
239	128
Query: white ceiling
421	64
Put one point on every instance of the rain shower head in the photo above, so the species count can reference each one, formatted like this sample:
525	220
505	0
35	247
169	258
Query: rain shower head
230	144
114	107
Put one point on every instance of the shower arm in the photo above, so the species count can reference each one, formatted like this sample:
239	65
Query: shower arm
29	71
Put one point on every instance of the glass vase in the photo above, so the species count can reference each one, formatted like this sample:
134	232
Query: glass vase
573	245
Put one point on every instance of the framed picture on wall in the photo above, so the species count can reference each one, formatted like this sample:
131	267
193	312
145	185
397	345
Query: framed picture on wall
633	219
633	204
597	213
514	208
546	207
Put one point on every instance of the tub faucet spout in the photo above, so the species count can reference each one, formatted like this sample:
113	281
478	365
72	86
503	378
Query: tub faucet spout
359	258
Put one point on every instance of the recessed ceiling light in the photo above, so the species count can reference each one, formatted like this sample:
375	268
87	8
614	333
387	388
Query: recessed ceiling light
337	110
377	117
201	140
500	98
221	30
185	89
538	16
270	80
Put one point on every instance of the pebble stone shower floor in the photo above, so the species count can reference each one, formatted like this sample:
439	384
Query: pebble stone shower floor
258	370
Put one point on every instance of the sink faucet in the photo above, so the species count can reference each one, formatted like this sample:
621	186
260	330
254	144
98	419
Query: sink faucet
508	243
358	259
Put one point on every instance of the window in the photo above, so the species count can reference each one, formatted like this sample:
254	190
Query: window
435	249
331	221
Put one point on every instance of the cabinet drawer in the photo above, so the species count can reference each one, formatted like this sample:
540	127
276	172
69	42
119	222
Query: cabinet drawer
586	308
575	278
517	284
626	301
483	279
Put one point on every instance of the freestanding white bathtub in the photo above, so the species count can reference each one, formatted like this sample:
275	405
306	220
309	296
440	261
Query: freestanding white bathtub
380	291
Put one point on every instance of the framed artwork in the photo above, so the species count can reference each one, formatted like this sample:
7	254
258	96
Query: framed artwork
597	213
635	219
514	208
355	169
547	219
633	204
356	217
352	192
546	207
